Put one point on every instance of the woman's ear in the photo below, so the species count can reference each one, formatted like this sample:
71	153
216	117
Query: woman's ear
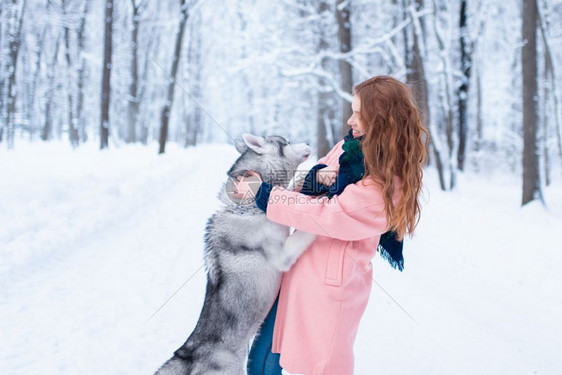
254	142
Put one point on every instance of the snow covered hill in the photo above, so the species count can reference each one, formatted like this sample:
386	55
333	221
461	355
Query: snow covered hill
93	243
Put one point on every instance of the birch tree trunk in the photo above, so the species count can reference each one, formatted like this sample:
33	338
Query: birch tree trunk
165	116
550	77
106	75
531	182
133	105
446	98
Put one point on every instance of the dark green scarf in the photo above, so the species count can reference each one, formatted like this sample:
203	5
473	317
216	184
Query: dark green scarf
352	170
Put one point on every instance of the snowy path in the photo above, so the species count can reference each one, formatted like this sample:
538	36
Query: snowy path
91	247
86	310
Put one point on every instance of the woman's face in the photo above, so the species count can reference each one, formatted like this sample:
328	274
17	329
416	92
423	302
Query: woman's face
354	121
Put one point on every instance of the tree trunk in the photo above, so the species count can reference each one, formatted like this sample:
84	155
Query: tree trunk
165	116
72	131
551	74
346	74
47	131
407	47
466	63
106	75
249	108
417	80
479	121
531	182
446	99
14	49
81	75
133	107
193	120
545	119
36	74
325	112
2	83
142	90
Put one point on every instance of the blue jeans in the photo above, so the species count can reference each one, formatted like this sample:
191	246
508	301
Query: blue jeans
261	360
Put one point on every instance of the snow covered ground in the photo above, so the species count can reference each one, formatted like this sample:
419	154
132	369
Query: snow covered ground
93	243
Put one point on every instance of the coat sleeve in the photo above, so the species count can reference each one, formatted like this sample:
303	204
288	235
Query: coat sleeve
357	213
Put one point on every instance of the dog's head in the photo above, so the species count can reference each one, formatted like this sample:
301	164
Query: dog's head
273	157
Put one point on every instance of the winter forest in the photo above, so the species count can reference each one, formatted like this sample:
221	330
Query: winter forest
485	74
118	120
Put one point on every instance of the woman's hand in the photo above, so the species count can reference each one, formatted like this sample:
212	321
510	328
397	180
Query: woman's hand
327	176
246	187
298	181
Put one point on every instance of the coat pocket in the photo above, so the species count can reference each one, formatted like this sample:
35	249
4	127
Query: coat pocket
334	266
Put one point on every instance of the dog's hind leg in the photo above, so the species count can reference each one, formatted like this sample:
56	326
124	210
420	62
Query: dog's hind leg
220	362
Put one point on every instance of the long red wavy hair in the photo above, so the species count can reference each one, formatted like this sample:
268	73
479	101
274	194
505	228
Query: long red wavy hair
395	144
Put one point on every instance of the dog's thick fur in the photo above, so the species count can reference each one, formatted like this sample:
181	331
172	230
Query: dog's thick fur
245	254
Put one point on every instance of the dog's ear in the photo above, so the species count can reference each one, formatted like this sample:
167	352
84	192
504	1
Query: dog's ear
240	146
254	142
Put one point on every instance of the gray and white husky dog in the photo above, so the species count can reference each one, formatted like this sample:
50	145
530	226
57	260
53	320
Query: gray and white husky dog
245	254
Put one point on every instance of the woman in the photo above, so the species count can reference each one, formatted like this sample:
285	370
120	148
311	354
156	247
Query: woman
325	293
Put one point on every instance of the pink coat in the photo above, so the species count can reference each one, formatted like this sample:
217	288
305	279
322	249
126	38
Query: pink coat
325	293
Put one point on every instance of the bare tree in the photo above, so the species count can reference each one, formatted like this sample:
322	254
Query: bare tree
2	69
479	104
468	45
325	109
416	77
346	73
137	7
81	74
531	181
106	75
16	15
144	86
47	131
551	90
39	51
446	96
72	131
466	48
193	117
165	116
